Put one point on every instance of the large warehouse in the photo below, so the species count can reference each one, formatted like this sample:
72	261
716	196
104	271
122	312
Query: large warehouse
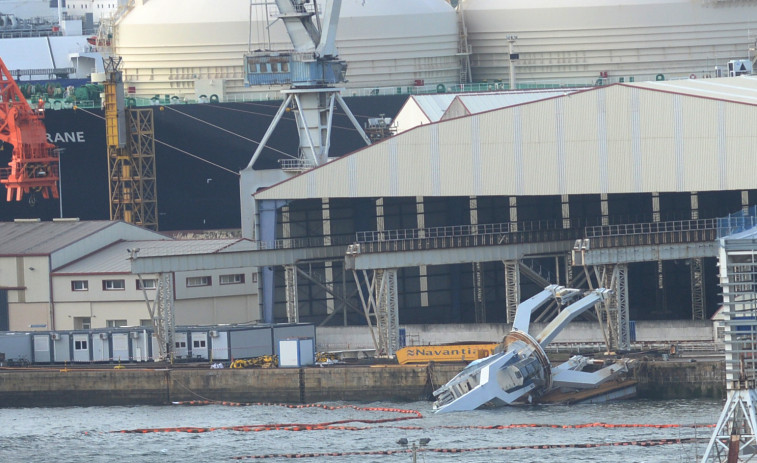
486	209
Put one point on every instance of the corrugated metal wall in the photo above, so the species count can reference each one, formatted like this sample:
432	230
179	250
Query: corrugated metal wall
616	139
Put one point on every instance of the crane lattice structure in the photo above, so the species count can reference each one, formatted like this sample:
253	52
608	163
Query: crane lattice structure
311	69
34	163
735	436
130	137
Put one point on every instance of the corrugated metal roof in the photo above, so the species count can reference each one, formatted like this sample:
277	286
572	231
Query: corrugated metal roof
613	139
40	238
115	258
742	89
40	52
433	105
480	102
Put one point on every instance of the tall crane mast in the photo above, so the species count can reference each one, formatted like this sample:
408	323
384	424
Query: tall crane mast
130	137
34	163
311	68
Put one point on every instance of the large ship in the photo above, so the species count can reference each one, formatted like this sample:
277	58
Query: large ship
200	148
393	49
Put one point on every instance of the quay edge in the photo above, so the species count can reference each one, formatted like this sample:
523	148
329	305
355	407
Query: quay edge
60	386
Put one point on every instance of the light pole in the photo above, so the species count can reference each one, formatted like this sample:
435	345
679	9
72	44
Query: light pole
513	57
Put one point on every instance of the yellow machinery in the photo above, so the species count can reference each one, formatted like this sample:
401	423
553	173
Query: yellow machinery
131	154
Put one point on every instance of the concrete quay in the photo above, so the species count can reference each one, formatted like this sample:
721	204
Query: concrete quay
59	386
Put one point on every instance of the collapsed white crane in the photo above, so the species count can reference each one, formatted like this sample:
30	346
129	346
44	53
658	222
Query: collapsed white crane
523	367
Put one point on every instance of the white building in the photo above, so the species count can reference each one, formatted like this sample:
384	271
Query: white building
65	275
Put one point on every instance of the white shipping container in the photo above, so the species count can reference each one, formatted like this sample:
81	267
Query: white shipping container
296	352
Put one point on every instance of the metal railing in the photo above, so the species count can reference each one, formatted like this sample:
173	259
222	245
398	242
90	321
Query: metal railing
299	243
459	236
737	222
652	233
650	227
494	234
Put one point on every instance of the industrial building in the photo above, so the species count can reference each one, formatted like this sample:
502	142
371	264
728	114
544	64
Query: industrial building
75	275
457	221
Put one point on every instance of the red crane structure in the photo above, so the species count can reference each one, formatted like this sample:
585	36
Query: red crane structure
34	163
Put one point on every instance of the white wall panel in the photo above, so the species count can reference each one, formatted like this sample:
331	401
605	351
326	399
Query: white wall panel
540	170
617	139
580	140
456	156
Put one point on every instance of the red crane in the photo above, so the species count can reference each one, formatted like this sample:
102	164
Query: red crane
34	162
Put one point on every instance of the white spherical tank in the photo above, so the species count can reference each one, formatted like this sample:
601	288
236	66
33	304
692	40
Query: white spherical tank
564	40
169	46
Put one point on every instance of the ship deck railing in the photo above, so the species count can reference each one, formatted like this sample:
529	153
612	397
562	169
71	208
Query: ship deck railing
417	88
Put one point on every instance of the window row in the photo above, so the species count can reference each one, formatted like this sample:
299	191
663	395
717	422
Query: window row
120	284
113	285
85	323
231	279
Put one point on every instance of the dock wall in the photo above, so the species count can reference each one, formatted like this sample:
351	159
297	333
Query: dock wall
69	387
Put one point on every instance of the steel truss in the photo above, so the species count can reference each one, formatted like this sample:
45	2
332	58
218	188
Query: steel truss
697	289
735	437
479	297
290	277
164	317
736	431
614	310
380	305
512	288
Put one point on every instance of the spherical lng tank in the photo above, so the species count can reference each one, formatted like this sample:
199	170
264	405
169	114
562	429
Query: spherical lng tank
168	46
577	40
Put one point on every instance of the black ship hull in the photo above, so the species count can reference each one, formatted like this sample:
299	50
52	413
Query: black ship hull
197	145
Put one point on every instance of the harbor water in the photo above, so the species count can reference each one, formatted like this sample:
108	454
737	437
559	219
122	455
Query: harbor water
365	433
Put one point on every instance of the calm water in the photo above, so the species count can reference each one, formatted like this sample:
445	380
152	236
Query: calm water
79	434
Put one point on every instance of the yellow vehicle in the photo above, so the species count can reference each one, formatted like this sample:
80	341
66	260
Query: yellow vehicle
445	353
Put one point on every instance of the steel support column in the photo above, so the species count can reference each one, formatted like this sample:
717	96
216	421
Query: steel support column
697	289
620	275
736	430
165	322
479	298
606	312
735	434
512	288
615	308
380	305
290	277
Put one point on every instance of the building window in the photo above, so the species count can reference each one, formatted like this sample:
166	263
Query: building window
114	285
147	284
81	345
199	343
115	323
80	285
147	323
237	278
82	323
254	277
181	344
198	281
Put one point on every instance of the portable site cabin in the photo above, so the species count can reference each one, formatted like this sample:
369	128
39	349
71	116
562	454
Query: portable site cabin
139	344
15	347
293	331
